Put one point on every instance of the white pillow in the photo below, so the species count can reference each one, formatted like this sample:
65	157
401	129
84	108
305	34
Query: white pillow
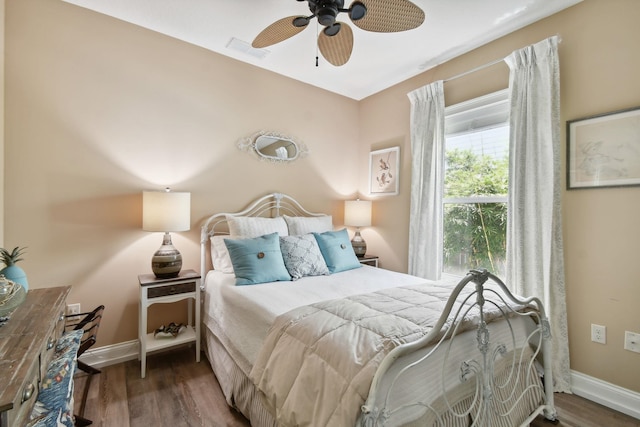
247	226
300	225
220	255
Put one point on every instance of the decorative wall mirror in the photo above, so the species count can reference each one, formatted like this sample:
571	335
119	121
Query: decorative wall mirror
273	147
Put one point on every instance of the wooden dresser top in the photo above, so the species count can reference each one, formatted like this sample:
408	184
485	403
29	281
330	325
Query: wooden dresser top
21	338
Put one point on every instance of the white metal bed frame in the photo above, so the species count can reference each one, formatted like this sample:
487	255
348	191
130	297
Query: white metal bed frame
271	206
377	410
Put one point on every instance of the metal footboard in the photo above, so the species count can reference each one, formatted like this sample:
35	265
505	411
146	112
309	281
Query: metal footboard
499	381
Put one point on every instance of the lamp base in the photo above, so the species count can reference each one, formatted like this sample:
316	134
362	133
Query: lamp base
359	245
167	261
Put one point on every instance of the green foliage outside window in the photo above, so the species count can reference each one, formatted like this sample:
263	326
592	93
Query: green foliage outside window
475	233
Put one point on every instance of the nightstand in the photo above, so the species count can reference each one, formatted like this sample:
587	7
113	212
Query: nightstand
153	291
371	260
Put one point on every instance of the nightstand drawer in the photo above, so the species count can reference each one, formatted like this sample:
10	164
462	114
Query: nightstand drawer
163	291
371	260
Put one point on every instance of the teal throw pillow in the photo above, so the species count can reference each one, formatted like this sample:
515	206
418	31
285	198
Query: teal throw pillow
337	250
257	260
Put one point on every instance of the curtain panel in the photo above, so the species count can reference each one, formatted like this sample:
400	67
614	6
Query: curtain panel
535	264
427	175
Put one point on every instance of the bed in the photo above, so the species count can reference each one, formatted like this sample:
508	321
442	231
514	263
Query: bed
327	342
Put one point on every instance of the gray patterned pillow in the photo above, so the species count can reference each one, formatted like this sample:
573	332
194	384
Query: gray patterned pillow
302	256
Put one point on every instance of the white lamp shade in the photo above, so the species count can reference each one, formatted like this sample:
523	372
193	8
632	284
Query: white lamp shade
357	213
166	211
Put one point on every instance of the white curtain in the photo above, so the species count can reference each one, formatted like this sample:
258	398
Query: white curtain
535	265
427	174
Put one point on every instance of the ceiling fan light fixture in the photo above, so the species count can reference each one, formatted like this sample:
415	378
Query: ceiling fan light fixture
357	11
326	14
332	30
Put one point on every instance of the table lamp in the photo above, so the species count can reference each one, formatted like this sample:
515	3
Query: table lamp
166	211
357	213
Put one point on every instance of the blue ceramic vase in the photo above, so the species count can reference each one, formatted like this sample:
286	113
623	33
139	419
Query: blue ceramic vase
16	274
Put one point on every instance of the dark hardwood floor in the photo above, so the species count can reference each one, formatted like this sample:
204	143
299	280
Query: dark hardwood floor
180	392
176	392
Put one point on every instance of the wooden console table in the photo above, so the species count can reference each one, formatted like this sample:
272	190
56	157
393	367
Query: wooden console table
27	344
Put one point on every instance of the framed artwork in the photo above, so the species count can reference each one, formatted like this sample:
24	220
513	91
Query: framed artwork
604	150
384	172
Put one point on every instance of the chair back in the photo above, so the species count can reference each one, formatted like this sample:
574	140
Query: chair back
90	323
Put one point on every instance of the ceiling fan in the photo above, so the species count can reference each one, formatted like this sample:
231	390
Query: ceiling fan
335	41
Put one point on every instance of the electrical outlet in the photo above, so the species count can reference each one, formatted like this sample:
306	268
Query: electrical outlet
73	309
598	333
632	341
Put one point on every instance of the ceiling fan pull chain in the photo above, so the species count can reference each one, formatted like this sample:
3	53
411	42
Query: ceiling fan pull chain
317	34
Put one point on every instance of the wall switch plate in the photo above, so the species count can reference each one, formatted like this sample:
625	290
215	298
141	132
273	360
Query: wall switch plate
598	333
632	341
73	309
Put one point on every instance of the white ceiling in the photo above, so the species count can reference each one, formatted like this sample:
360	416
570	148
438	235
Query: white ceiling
378	61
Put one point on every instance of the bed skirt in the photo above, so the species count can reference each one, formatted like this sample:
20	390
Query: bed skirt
238	390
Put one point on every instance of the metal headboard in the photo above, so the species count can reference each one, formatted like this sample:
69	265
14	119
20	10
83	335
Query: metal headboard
270	206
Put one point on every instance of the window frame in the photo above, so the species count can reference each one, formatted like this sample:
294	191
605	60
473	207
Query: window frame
477	114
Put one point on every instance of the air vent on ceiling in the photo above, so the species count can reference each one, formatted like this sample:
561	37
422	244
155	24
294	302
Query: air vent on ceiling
244	47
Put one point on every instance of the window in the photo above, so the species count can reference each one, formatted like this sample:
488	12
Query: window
476	183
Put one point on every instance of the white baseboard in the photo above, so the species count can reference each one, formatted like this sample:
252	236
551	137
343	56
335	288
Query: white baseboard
607	394
594	389
111	354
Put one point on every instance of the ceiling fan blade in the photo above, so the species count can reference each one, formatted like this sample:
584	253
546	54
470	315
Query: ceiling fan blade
390	16
337	49
278	31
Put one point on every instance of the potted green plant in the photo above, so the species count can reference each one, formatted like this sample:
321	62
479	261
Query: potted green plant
11	271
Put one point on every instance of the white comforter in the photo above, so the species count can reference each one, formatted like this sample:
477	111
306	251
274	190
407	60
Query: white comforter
240	316
316	365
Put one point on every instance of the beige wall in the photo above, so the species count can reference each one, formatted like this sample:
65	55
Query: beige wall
599	67
98	110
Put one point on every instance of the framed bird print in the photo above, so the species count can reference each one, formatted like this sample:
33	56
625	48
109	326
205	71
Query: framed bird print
384	172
